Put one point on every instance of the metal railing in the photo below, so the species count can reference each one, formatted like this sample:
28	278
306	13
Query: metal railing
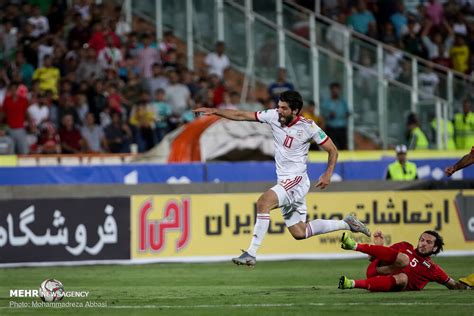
263	35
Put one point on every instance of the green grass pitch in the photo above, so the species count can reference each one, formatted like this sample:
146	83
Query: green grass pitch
272	288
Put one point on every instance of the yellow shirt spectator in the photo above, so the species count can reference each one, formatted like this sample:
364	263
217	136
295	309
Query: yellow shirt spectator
48	78
459	56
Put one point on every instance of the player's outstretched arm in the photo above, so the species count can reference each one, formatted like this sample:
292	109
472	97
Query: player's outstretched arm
465	161
453	285
234	115
325	178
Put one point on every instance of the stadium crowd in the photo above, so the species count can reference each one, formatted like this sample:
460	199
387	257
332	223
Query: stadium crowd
79	79
437	30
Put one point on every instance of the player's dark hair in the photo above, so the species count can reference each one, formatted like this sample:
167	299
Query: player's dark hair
294	100
439	243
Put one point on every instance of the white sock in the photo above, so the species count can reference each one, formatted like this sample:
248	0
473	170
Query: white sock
259	231
322	226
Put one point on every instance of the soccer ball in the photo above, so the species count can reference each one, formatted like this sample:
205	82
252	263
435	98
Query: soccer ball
51	290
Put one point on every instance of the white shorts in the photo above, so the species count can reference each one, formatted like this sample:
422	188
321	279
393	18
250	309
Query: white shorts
291	194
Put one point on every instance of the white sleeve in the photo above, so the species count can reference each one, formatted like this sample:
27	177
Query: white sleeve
266	116
319	136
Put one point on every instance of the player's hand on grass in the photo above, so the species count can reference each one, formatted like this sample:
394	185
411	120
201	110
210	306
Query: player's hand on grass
323	182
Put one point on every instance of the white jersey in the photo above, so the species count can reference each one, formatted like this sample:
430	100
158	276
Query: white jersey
291	142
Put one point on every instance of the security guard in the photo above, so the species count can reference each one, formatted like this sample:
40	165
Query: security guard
449	130
401	170
416	138
464	127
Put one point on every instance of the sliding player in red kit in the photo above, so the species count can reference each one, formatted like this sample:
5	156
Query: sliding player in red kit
400	267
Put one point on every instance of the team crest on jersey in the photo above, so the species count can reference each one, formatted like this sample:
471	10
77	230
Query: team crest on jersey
427	264
299	133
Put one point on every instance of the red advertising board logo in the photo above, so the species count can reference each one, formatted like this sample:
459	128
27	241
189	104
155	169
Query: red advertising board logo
152	233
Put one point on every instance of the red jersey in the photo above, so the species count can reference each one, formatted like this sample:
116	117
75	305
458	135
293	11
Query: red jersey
420	270
15	111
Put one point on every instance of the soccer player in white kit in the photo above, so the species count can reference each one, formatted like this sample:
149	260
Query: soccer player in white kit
292	135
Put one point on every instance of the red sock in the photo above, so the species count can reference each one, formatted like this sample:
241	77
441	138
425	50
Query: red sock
381	283
386	254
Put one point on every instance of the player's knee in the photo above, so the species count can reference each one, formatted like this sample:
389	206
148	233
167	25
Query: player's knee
401	280
298	235
262	206
402	260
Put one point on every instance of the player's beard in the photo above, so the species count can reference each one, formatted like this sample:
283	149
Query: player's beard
423	254
285	121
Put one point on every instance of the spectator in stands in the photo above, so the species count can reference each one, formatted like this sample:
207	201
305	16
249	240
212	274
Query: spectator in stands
72	141
460	54
147	56
309	112
464	127
435	12
411	41
96	98
7	145
28	44
102	30
438	51
38	112
158	80
142	121
89	68
428	82
391	67
281	85
118	135
231	101
9	39
48	76
132	91
406	75
171	61
79	32
335	34
388	35
163	113
93	134
82	107
443	125
335	113
25	70
177	94
49	142
65	107
401	169
217	89
110	56
188	78
416	137
39	22
15	109
362	20
167	44
217	61
399	19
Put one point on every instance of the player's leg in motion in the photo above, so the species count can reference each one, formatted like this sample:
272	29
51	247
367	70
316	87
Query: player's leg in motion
392	260
265	203
322	226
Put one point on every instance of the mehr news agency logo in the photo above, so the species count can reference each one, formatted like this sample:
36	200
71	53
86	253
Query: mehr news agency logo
51	291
